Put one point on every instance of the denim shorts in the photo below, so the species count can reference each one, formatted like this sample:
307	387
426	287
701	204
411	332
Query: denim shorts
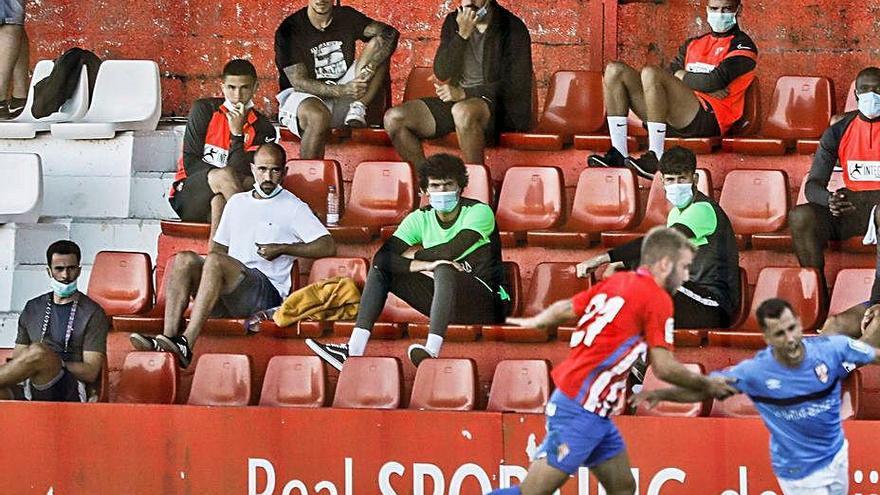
12	12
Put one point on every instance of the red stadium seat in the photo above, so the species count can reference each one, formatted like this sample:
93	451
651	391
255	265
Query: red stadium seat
531	199
656	210
221	380
737	406
551	282
153	320
194	230
369	383
798	286
445	385
294	381
851	396
148	378
852	286
419	84
520	386
672	408
800	108
479	186
122	283
309	181
574	105
756	201
605	199
851	102
382	193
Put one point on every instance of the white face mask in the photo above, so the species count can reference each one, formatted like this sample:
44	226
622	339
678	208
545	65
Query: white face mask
721	22
231	106
680	195
869	104
445	201
263	194
61	289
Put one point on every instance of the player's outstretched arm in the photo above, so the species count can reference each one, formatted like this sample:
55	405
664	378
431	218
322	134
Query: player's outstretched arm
668	369
556	313
672	394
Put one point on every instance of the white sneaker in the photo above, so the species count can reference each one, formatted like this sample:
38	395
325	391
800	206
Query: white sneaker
357	115
418	353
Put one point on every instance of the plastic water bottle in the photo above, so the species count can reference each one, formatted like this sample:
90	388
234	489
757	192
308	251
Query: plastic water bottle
332	206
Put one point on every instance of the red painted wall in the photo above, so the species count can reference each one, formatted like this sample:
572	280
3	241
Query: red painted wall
191	39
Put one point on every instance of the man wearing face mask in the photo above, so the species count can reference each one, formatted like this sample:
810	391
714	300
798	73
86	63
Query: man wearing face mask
443	259
701	95
710	297
248	268
218	146
62	338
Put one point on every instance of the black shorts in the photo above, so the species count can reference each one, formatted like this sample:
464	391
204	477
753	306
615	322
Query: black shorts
254	293
63	388
443	121
705	124
192	198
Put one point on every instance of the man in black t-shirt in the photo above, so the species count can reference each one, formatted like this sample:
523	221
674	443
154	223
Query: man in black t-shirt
322	85
62	338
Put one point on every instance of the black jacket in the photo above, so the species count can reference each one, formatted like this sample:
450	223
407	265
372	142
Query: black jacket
507	66
50	93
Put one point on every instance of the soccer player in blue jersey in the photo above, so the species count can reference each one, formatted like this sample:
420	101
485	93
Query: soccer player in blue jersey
795	385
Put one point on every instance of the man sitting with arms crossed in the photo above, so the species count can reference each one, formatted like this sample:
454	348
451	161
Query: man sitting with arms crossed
456	276
710	297
248	268
795	385
322	85
702	94
62	338
221	136
483	71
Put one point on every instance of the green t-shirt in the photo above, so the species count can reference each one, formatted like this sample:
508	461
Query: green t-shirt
699	217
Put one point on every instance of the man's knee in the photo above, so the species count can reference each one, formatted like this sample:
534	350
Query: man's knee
445	274
801	218
469	115
185	261
314	117
220	179
652	75
395	119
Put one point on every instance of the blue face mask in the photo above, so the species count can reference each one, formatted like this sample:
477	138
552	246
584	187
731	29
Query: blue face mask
869	104
444	202
721	22
61	289
680	195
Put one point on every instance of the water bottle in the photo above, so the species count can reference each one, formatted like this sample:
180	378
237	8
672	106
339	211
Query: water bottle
332	206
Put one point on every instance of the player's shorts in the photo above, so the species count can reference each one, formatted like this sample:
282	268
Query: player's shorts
833	479
290	100
12	12
444	123
192	197
577	437
705	124
63	388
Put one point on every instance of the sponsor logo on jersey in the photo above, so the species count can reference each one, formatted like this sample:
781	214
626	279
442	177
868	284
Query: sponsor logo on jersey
699	68
863	170
822	372
215	155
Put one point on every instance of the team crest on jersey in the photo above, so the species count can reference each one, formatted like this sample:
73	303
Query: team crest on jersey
562	452
822	372
773	384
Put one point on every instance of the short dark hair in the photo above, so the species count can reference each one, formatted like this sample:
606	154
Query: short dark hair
678	160
275	150
443	166
771	309
63	247
867	72
239	67
662	242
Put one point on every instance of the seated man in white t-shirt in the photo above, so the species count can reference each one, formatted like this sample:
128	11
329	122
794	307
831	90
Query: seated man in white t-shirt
248	268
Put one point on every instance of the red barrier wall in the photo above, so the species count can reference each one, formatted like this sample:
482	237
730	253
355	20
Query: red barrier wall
192	39
116	448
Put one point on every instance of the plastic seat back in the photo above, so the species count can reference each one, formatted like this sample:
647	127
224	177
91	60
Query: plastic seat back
605	199
851	102
445	385
419	84
520	386
309	180
513	279
479	186
122	283
747	124
800	107
369	383
835	183
798	286
294	381
851	396
221	380
692	410
382	193
755	200
148	378
531	199
324	268
852	286
574	104
72	109
737	406
551	282
127	91
21	187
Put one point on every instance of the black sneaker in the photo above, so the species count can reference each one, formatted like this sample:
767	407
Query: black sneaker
143	342
418	353
646	165
334	354
611	159
178	346
15	106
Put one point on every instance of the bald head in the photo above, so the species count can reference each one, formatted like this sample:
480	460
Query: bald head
272	153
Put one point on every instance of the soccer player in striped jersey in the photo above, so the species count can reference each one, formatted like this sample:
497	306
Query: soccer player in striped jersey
620	320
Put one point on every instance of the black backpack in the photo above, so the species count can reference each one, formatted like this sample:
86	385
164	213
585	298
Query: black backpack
52	91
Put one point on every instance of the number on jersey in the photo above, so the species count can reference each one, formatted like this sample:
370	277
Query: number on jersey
602	311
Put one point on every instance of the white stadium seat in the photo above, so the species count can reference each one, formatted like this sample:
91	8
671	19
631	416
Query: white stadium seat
25	126
127	97
21	187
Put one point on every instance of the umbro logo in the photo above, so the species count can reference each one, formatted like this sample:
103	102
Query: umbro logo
773	384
